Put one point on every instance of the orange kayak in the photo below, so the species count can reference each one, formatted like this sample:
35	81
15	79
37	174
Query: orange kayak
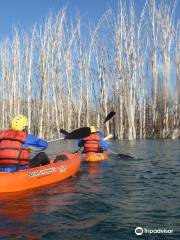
95	157
67	165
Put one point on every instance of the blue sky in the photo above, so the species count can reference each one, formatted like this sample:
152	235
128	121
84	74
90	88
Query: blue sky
24	13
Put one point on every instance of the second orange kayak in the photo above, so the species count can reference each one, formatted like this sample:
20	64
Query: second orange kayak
95	157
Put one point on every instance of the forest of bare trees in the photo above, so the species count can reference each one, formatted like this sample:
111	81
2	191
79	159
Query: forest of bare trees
68	74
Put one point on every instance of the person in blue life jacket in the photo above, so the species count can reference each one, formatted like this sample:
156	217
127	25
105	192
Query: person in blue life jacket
94	142
15	144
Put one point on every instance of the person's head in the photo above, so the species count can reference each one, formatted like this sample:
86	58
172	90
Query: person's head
93	129
19	123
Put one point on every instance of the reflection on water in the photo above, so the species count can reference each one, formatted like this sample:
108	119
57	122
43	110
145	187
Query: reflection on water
16	209
106	200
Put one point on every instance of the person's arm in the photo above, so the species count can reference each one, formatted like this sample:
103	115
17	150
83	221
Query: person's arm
101	134
33	141
104	145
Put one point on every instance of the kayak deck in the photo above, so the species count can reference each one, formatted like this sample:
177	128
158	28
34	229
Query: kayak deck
40	176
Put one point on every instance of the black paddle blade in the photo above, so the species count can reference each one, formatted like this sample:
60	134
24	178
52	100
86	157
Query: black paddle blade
121	155
125	156
109	116
64	132
79	133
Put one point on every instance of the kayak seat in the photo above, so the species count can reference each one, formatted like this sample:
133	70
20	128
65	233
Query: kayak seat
60	158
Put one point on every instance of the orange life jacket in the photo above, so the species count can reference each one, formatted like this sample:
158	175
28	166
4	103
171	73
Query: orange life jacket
11	151
91	143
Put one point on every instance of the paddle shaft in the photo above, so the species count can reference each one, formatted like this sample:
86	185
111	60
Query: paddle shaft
35	149
53	140
108	137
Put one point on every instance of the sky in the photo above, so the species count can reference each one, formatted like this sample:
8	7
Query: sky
25	13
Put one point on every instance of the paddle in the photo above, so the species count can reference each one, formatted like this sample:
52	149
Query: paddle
108	137
64	132
78	133
85	131
53	140
109	116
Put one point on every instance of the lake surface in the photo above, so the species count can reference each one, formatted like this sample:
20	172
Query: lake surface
105	201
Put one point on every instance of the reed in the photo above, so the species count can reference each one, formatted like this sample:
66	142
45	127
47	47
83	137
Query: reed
64	74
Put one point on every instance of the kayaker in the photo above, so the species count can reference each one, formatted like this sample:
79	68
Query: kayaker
14	144
94	142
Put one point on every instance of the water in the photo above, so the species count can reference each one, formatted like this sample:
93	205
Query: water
106	200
